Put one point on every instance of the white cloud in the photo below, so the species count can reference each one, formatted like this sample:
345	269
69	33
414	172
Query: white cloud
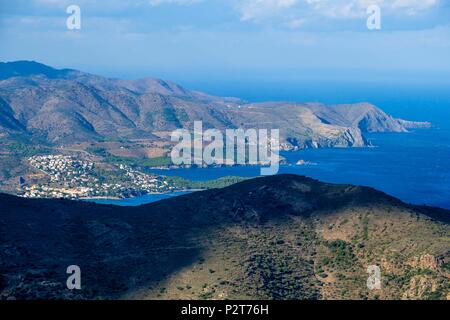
290	14
179	2
414	6
336	9
295	23
115	4
257	9
344	9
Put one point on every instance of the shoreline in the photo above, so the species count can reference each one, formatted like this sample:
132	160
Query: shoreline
147	194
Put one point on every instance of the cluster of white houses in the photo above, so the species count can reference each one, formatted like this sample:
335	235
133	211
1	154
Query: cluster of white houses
74	179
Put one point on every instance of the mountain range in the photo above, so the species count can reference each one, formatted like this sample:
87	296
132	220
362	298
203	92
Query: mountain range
280	237
52	106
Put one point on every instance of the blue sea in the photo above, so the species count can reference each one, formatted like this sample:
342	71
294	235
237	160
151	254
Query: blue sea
137	201
415	166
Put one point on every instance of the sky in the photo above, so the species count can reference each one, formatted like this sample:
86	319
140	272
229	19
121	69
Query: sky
220	42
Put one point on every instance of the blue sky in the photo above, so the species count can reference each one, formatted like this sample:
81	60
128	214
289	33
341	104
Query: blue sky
212	40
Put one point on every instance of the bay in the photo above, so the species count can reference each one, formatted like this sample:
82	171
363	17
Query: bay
411	166
137	201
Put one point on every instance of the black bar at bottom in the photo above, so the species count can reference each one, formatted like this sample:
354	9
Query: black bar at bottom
224	309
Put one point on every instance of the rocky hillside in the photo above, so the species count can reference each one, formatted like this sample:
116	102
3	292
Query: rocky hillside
280	237
55	107
364	116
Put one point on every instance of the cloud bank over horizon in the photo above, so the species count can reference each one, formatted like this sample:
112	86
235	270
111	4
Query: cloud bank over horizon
244	10
133	38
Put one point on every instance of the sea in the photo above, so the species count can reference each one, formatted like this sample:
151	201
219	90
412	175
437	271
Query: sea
414	166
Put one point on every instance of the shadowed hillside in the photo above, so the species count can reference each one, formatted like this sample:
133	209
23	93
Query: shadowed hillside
280	237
